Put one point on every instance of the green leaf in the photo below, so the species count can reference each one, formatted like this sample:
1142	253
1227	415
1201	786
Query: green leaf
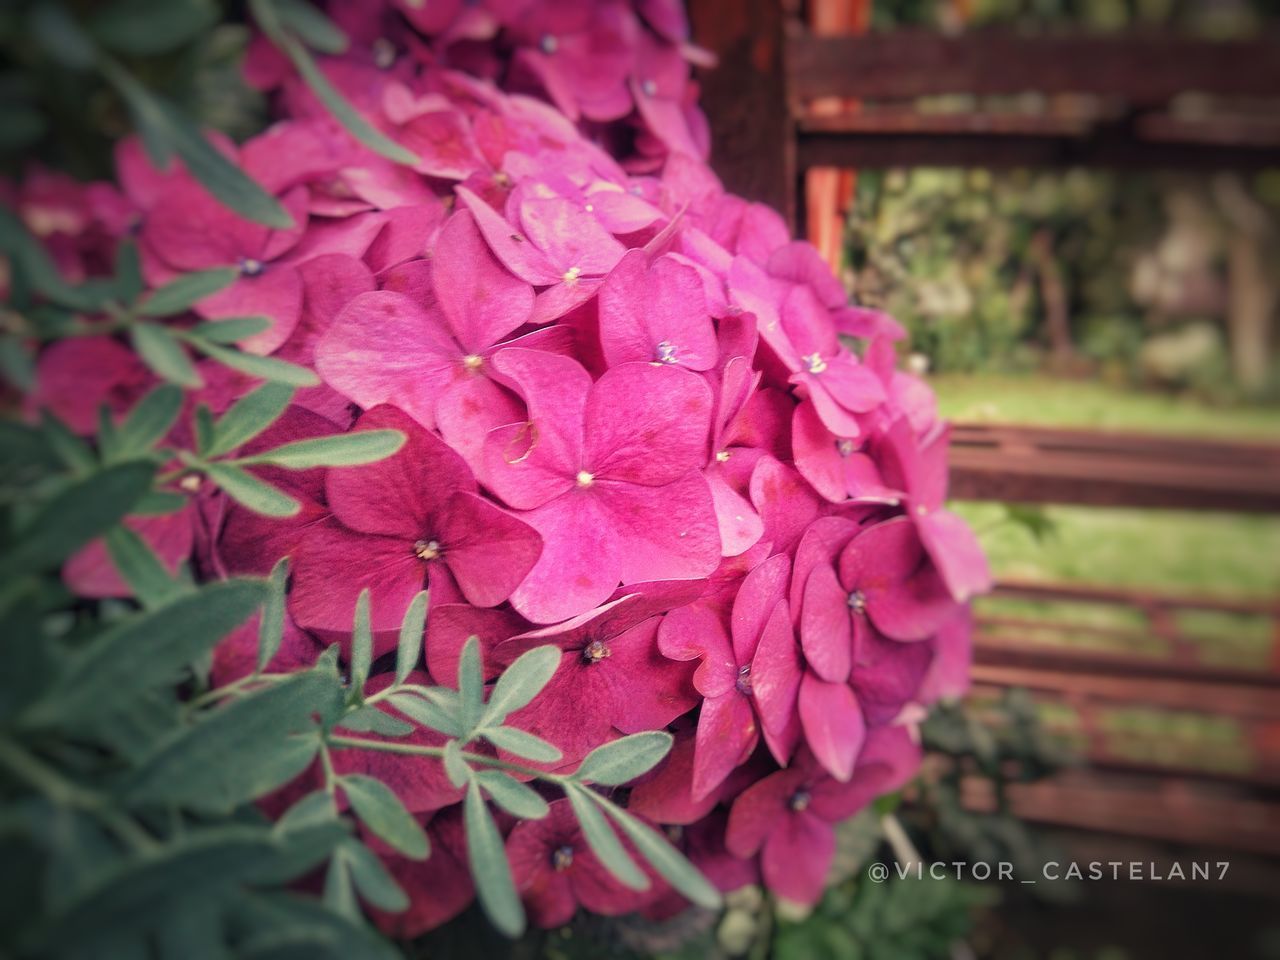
265	13
287	926
489	867
670	863
163	353
204	429
17	363
361	643
241	751
68	448
621	761
227	330
311	26
369	719
470	684
423	711
248	417
409	648
165	129
518	799
381	811
315	808
374	883
265	368
339	890
146	650
149	421
141	569
603	841
37	267
181	294
271	625
146	28
76	515
521	682
135	896
247	490
454	766
62	38
342	450
522	744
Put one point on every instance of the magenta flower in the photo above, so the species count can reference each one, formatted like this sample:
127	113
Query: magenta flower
387	347
656	312
608	473
612	674
919	468
749	679
555	871
789	817
393	522
554	244
75	377
187	229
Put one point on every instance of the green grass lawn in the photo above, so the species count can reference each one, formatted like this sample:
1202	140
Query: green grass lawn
1202	553
1087	403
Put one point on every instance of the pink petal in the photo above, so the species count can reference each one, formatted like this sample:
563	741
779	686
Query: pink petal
579	565
833	724
662	533
753	608
276	294
385	348
487	550
775	681
694	632
647	424
727	734
956	553
517	253
402	495
655	312
758	810
796	858
740	526
569	237
482	301
333	564
784	501
825	632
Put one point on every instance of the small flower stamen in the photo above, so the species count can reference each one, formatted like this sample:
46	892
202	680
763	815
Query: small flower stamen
585	479
571	275
473	362
562	858
800	800
426	549
666	352
595	651
250	267
743	683
815	363
857	601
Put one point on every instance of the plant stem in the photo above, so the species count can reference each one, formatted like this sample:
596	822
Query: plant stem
62	792
339	740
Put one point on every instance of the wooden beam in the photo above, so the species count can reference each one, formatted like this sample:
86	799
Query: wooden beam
1142	68
752	131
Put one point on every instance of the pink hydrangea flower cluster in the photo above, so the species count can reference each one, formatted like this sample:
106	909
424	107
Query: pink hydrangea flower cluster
637	430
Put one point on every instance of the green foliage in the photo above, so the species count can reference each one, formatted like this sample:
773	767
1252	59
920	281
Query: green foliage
909	919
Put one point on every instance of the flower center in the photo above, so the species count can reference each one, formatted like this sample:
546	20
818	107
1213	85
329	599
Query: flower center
250	267
586	479
800	800
743	682
562	858
595	651
473	361
384	53
549	44
857	601
648	88
666	352
722	456
502	180
190	483
571	275
844	447
815	362
921	509
426	549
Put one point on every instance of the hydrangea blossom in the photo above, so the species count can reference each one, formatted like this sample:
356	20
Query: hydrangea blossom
643	425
